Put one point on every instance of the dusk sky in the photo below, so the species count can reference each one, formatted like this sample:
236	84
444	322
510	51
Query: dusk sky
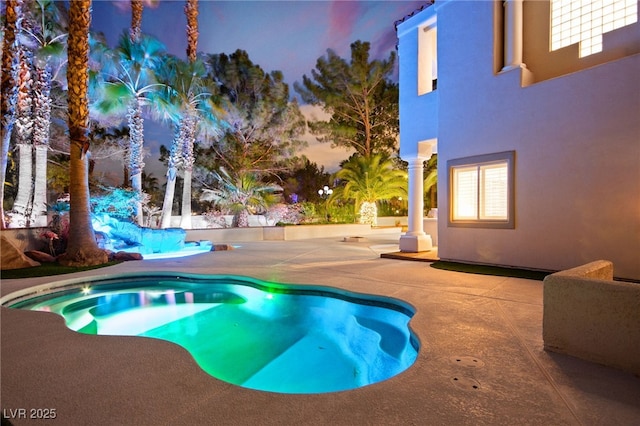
278	35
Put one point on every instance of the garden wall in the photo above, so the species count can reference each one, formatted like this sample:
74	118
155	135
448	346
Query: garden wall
590	316
28	238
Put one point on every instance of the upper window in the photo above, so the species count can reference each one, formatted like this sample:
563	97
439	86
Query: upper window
481	191
584	22
427	59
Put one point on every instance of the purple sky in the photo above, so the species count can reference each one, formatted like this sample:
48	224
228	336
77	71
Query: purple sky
278	35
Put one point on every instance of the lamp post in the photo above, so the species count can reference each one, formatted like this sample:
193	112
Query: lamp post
325	193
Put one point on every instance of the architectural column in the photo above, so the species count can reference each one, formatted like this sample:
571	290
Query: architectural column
415	240
513	35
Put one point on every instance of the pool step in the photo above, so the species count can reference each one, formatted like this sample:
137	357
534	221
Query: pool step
313	362
354	355
227	342
138	321
392	340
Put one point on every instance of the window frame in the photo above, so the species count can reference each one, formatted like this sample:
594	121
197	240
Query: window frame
480	161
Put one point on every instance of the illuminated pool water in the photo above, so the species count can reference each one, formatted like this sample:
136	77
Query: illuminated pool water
255	334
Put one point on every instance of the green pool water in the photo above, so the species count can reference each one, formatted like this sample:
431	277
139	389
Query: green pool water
259	335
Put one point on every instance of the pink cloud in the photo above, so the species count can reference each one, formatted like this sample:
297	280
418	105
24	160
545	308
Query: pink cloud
343	16
386	42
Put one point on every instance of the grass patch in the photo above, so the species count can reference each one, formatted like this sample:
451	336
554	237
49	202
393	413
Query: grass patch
47	269
490	270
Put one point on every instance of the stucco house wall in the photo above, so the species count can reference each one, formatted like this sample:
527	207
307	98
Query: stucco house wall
576	139
418	114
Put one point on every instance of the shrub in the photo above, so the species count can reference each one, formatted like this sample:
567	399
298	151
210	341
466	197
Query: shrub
120	203
215	219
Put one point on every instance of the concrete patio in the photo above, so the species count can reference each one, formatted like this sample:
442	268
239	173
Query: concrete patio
481	359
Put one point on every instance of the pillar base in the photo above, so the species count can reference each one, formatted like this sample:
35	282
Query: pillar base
415	243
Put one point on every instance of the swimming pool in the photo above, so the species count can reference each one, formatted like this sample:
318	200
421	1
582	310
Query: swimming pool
255	334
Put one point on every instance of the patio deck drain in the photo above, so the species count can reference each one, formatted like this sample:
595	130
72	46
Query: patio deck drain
354	239
466	383
467	361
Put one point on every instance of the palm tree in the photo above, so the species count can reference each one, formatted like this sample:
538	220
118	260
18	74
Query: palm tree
130	86
189	119
136	20
23	133
45	35
240	195
368	180
82	249
172	170
193	116
186	104
8	86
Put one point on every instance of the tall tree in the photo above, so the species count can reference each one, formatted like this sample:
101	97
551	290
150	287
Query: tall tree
131	85
303	182
82	249
187	106
45	34
8	86
359	96
264	126
23	133
190	117
369	180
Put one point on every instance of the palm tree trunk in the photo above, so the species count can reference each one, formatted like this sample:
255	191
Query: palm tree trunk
172	171
191	12
136	126
241	219
167	204
136	184
185	217
189	126
9	90
369	213
42	113
136	155
24	133
25	184
82	248
136	20
40	183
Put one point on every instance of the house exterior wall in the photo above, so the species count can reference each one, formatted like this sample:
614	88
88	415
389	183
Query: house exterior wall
576	139
418	114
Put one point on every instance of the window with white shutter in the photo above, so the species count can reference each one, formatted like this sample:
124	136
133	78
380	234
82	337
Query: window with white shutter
481	191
